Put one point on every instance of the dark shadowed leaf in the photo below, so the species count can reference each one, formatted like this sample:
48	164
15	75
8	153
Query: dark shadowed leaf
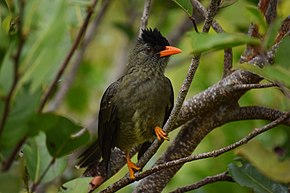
247	175
62	137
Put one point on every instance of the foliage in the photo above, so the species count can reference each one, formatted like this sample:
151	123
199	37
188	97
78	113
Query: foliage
36	36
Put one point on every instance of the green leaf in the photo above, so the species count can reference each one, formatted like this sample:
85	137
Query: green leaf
282	56
6	72
247	175
202	42
37	159
62	136
9	183
272	73
79	185
274	168
185	5
256	16
46	48
271	34
6	23
22	110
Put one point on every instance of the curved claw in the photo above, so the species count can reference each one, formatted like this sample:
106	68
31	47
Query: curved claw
131	167
161	134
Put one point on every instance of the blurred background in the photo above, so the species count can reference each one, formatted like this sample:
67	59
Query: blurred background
51	27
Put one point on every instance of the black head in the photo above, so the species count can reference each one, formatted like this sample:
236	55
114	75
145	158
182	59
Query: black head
154	39
152	51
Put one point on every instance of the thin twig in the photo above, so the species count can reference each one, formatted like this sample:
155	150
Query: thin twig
66	61
215	153
34	186
59	74
145	16
199	7
253	86
228	62
184	88
182	93
21	39
66	84
208	180
228	55
8	162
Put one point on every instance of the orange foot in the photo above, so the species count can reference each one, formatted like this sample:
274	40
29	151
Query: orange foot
131	167
160	134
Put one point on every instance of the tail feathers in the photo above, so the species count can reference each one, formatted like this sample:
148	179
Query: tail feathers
90	156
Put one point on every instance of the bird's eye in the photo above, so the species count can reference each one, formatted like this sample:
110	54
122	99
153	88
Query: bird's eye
148	49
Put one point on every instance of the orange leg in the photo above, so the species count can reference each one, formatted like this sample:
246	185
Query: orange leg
131	166
160	134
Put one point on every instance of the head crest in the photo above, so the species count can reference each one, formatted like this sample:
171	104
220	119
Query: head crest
153	37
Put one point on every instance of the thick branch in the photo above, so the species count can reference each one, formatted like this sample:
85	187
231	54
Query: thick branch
215	153
157	186
216	96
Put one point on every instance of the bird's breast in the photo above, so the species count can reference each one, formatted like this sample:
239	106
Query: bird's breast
141	107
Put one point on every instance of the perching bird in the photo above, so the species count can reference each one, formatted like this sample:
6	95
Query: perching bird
134	108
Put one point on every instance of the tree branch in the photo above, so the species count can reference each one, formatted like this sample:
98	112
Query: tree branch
66	61
21	39
66	84
208	180
145	16
158	185
217	102
228	55
254	86
256	112
215	153
9	161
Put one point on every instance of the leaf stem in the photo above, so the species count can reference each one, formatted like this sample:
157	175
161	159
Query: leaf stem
21	39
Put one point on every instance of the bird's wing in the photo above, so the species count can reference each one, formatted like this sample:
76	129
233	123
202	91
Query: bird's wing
168	109
170	105
108	125
109	122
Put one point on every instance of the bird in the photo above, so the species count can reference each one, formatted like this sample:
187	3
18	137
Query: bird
134	108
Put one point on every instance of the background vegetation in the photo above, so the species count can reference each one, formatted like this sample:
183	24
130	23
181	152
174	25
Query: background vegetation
52	77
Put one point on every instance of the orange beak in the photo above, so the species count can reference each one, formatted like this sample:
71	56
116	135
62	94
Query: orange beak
169	50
